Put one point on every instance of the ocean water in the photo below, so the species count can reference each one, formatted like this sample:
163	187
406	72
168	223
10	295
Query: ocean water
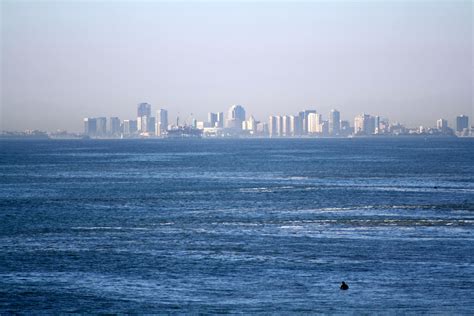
237	226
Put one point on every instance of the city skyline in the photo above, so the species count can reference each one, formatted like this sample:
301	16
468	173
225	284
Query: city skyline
238	123
188	118
411	61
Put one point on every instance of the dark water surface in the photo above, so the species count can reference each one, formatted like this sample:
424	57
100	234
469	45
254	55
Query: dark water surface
216	226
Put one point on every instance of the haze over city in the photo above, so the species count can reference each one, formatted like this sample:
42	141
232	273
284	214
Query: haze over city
62	61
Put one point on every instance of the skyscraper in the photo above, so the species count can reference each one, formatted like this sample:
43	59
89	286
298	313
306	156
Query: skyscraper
146	124
275	126
377	125
161	121
212	119
364	124
346	129
143	109
285	125
141	123
90	126
442	125
301	123
462	122
293	125
324	128
251	125
114	126
220	119
101	126
272	126
236	117
334	123
306	121
279	126
262	129
151	125
314	123
129	127
143	115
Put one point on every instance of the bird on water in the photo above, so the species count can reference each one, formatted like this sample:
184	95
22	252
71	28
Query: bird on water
344	286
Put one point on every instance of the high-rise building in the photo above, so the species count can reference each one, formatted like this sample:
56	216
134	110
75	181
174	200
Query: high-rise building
129	127
220	120
143	117
143	109
285	126
161	121
262	129
151	128
306	120
90	126
251	125
301	123
364	124
279	125
377	125
442	125
236	117
114	126
334	123
275	126
346	129
141	123
212	119
371	125
462	122
293	125
101	126
314	123
324	128
359	124
146	124
272	126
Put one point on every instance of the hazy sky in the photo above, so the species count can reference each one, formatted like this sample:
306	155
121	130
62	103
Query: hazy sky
410	61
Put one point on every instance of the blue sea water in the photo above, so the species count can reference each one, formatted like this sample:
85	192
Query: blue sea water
237	226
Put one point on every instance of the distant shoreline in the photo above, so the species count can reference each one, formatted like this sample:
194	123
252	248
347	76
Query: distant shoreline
26	138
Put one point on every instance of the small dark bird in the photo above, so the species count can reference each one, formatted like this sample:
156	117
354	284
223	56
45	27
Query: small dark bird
344	286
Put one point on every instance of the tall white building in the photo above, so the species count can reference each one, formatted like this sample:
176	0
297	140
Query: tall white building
161	123
314	123
279	125
220	120
235	117
129	127
275	126
251	125
146	124
442	125
285	126
272	126
306	113
364	124
293	125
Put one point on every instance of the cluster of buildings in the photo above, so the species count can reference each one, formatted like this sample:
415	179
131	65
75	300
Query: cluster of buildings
144	125
237	124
